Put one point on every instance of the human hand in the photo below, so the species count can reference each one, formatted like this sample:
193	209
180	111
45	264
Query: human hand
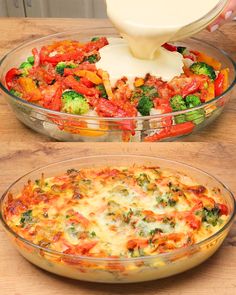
225	16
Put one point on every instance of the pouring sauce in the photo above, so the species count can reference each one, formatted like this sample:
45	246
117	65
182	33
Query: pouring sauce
145	25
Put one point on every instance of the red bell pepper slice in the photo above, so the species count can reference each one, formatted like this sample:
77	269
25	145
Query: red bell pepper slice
191	88
77	55
36	57
96	45
219	84
10	76
77	86
52	97
86	82
169	47
81	67
173	131
106	108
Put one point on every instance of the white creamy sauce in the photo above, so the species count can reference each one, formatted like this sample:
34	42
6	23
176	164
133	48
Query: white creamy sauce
145	26
118	61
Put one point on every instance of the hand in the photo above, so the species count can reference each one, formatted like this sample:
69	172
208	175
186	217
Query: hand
225	16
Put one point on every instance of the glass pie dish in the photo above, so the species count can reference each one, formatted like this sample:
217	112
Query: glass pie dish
120	270
68	127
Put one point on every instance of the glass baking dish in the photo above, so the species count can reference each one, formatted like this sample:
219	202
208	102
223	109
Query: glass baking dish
68	127
202	23
115	270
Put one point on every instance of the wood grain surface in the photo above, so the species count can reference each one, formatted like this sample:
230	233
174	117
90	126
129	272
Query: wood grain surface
214	277
15	31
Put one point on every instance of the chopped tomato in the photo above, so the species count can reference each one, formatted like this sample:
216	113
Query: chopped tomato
224	210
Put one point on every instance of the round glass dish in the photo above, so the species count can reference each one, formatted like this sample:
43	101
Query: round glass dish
114	270
68	127
202	23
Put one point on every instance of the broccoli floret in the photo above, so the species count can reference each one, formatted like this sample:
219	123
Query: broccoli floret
26	218
30	60
201	68
92	59
198	116
94	39
193	101
61	66
182	50
28	64
149	91
211	216
102	91
178	103
16	93
145	105
25	67
144	94
74	103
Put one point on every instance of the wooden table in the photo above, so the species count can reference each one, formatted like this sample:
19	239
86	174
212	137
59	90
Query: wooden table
16	31
214	277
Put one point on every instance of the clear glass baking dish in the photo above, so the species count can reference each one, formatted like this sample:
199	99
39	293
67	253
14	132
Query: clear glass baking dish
68	127
202	23
114	270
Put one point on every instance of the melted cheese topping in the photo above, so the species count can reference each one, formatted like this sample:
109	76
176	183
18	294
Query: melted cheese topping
116	212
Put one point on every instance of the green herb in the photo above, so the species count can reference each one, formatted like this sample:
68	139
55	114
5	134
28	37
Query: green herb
211	216
37	181
155	231
143	179
127	216
94	39
92	234
26	218
92	59
102	91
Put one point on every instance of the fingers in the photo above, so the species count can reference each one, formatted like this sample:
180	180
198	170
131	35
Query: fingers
226	15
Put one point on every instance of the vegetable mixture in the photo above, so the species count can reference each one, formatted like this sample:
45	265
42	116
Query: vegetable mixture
117	212
63	77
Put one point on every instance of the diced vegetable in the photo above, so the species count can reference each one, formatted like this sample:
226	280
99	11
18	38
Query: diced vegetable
201	68
74	103
61	66
145	105
222	82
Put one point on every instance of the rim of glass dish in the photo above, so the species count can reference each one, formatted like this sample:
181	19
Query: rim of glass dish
221	3
66	116
107	259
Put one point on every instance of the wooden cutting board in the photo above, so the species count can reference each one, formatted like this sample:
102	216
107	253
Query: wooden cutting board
215	277
15	31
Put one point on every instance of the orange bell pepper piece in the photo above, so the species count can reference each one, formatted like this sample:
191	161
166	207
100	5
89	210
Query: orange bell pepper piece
209	93
139	82
225	72
202	57
29	89
91	76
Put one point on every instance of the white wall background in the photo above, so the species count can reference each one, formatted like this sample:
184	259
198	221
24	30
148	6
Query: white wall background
53	8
